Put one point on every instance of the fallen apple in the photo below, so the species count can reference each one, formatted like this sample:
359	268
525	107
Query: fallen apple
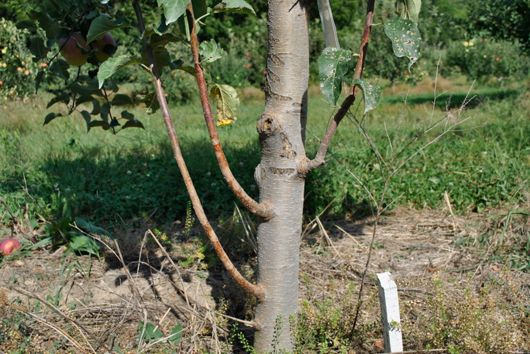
104	47
9	246
74	49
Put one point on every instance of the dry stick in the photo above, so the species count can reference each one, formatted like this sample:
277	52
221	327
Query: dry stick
260	209
56	329
319	159
81	329
253	289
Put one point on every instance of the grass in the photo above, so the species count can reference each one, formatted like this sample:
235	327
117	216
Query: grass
481	163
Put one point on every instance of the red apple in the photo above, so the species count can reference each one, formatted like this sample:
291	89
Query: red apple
74	49
9	246
104	46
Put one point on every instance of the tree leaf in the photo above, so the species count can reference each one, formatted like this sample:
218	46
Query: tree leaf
409	9
111	65
335	66
227	103
121	99
173	9
51	116
371	94
87	117
127	115
210	51
100	25
61	97
234	5
50	26
133	123
405	38
98	123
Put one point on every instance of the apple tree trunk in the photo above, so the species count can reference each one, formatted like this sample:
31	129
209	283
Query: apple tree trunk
281	130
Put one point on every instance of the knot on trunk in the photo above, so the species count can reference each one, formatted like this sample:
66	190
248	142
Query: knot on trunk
267	125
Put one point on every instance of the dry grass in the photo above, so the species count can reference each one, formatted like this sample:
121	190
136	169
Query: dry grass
453	297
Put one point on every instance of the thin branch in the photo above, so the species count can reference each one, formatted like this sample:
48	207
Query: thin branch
262	209
319	159
256	290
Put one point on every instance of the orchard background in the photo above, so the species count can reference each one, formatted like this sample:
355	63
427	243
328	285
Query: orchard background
454	232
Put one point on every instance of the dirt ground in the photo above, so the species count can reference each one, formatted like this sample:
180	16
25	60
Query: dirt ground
59	302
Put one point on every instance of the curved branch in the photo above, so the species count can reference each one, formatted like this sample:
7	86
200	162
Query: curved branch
259	209
256	290
319	159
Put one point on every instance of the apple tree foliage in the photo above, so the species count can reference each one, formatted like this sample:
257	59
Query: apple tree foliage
81	71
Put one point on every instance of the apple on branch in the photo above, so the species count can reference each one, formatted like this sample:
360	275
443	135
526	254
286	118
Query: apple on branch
74	49
104	47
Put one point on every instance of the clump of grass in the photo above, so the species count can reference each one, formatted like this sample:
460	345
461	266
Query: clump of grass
468	320
326	326
505	238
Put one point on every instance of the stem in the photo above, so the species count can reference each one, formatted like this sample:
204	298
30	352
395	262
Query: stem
192	192
319	159
260	209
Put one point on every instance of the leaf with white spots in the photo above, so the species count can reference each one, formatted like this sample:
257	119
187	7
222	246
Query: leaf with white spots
371	94
335	66
405	38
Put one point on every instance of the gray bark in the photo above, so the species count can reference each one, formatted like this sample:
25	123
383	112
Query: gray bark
328	24
281	135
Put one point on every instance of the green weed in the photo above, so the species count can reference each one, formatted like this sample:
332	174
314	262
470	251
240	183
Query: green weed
104	178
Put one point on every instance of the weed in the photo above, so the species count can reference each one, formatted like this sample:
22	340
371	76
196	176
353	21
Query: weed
106	178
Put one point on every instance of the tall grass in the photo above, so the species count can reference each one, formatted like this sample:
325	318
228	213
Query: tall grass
107	177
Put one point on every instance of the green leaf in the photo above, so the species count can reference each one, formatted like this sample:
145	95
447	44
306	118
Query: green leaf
127	115
234	5
150	332
210	51
62	97
371	94
227	103
121	99
176	334
50	26
96	107
133	123
99	26
51	116
98	123
90	227
111	65
82	243
37	47
409	9
87	117
173	9
405	38
335	66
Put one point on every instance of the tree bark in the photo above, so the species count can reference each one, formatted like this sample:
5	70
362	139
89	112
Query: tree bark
281	186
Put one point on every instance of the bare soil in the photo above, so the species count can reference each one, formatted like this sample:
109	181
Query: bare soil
60	302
